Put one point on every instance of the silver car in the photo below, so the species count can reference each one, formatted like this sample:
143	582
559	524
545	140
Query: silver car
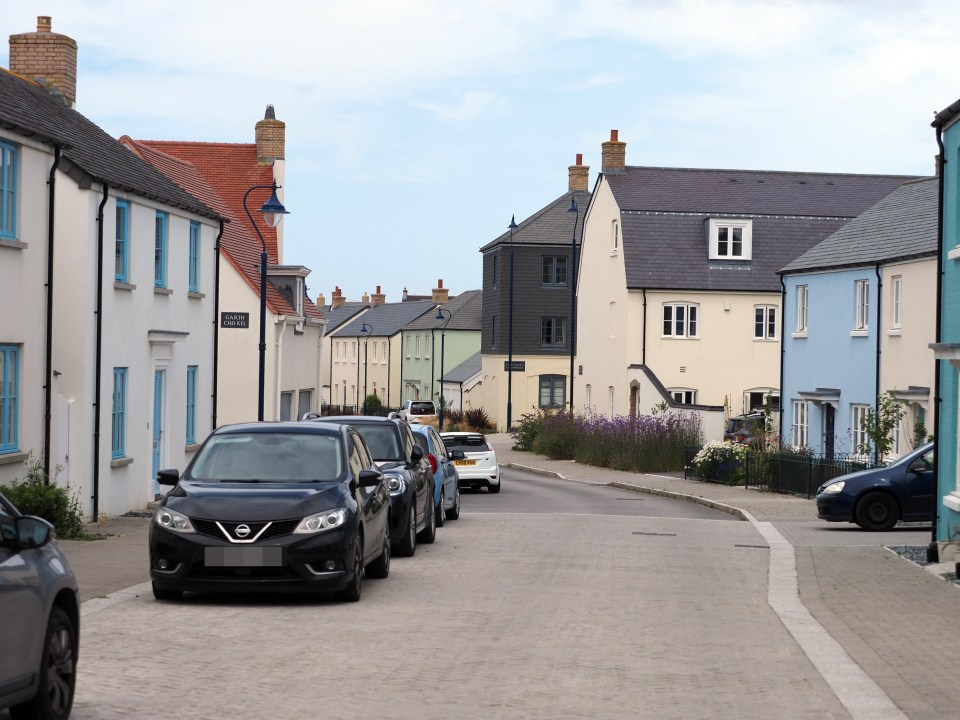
39	619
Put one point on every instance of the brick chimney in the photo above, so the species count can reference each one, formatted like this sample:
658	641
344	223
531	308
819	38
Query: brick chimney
378	298
48	58
614	154
405	293
365	299
321	300
336	298
579	175
270	135
440	293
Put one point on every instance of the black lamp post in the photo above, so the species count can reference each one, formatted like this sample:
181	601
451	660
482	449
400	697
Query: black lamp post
573	292
273	212
512	227
365	330
443	338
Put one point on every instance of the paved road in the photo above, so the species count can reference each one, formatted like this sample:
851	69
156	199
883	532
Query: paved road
608	612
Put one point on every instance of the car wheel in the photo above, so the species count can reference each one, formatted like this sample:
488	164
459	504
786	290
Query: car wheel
351	593
877	511
494	488
58	673
440	514
408	546
429	532
161	594
380	567
454	512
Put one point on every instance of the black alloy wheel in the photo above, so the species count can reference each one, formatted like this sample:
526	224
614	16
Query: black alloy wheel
351	593
380	567
439	510
454	512
494	489
877	511
58	673
408	546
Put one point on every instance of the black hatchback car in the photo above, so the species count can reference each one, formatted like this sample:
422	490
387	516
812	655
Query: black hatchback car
407	473
272	507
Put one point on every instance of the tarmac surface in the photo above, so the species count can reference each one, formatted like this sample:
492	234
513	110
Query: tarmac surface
874	625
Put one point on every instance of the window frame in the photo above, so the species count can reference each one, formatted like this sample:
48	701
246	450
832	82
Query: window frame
9	398
118	417
714	225
686	321
896	302
615	237
9	193
122	240
557	326
858	435
803	298
191	424
551	383
687	396
800	423
193	258
765	320
550	271
160	223
861	290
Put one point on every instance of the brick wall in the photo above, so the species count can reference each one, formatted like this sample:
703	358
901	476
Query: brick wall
48	57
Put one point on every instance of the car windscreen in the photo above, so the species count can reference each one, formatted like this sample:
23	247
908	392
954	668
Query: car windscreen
466	443
381	440
269	457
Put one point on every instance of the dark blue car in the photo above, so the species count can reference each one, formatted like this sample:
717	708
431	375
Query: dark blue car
877	499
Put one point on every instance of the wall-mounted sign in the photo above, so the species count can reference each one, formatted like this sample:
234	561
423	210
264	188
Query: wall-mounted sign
234	320
516	366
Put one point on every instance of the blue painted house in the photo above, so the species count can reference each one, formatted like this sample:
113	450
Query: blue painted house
947	345
857	322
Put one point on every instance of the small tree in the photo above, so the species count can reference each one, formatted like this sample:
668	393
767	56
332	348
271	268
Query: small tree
879	425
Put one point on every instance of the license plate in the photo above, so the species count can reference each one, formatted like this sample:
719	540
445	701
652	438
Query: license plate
243	556
464	462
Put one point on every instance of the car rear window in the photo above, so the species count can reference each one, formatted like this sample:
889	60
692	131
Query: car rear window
422	408
466	443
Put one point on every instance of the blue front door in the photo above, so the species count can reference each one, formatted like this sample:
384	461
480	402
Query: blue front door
157	426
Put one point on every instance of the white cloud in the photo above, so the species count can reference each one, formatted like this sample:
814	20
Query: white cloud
470	106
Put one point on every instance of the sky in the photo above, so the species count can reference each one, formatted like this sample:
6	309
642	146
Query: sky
415	129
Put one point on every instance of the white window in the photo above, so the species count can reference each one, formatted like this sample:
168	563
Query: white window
426	348
802	296
799	424
862	300
409	341
615	237
683	396
680	320
353	350
383	345
765	322
897	294
610	390
858	433
730	239
589	396
418	346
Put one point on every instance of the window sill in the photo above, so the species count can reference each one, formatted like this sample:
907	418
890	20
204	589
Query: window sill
799	334
766	340
13	244
674	337
196	295
191	448
162	291
120	285
120	462
954	254
952	501
614	253
859	333
14	457
893	332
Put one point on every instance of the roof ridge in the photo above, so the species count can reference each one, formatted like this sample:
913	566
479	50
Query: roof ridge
197	142
173	158
818	173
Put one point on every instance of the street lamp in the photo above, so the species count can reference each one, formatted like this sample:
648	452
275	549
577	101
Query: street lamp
365	330
443	337
573	292
512	227
273	212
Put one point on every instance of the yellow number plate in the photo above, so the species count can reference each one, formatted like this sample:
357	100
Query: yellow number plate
464	462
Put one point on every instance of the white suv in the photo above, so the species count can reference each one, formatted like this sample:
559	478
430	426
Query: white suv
418	411
475	460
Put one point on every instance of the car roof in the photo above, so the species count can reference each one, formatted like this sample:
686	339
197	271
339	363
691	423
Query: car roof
316	428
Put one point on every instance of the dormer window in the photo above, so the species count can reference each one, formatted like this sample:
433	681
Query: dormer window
730	239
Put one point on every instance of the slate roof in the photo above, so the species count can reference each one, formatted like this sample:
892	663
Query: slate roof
223	172
551	225
465	370
663	212
901	226
466	310
88	151
947	115
337	317
387	319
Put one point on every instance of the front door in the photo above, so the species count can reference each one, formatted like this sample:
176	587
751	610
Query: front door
828	422
157	426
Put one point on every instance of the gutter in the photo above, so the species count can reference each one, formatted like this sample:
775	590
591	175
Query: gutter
216	329
48	342
98	363
933	550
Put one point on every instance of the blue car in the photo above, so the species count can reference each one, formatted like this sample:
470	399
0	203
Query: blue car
446	484
877	499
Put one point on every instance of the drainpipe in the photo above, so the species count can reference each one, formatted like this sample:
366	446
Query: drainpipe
876	394
331	366
98	362
48	349
433	352
389	363
216	329
783	352
933	550
643	350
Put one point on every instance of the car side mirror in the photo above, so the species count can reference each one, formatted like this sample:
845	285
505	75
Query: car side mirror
168	477
918	466
370	478
457	455
33	532
416	455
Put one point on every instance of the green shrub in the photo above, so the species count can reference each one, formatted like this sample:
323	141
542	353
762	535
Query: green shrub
35	495
525	433
373	405
477	418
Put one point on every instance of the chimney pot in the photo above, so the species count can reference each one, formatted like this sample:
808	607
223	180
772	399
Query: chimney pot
440	283
440	294
321	300
378	298
579	158
44	23
615	135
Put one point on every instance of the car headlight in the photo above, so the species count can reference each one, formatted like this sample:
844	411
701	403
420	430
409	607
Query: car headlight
394	484
170	520
320	522
834	488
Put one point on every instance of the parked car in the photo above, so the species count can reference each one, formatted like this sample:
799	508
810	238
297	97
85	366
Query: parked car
272	507
446	484
876	499
39	619
408	477
747	429
478	467
417	411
